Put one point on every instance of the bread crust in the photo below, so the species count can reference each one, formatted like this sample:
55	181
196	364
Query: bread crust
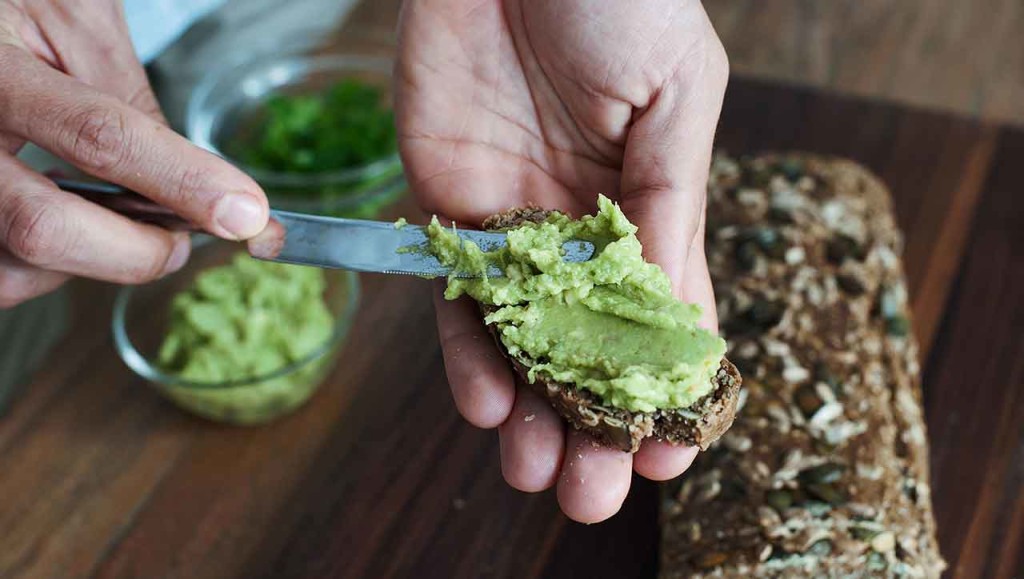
699	425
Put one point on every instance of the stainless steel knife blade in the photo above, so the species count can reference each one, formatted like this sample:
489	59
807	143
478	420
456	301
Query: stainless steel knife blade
371	246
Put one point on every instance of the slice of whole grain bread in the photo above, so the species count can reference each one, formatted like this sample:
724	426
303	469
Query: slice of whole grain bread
699	425
825	473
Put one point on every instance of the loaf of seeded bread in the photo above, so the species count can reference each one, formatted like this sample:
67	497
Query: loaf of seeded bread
698	425
825	470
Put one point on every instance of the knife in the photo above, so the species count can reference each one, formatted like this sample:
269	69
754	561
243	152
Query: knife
372	246
326	242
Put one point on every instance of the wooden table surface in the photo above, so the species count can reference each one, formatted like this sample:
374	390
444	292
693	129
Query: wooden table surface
378	476
947	55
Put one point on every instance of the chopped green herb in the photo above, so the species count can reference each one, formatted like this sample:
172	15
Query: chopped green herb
348	126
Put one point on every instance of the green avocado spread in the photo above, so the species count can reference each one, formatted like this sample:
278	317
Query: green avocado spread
244	320
610	325
240	323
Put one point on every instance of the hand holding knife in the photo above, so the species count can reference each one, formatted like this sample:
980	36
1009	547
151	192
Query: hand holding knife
328	242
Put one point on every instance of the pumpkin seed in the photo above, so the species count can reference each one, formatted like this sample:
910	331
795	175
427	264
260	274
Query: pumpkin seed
712	559
822	373
777	251
864	533
827	473
877	562
822	447
826	492
780	215
910	489
761	316
779	499
850	284
765	314
779	555
746	255
766	238
841	247
761	178
793	169
897	326
821	548
807	399
817	508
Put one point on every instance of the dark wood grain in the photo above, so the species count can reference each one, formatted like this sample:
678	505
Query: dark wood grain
378	476
975	387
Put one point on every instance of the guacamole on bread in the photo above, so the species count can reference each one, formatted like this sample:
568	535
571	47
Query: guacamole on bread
609	325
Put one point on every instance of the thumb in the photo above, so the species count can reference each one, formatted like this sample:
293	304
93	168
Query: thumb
665	173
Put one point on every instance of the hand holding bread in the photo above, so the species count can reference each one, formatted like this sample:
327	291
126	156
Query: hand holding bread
548	104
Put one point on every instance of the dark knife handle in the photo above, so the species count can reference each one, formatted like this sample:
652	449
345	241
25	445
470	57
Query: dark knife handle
126	202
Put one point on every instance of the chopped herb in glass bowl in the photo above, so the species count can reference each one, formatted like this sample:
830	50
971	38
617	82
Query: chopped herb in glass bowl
317	132
347	127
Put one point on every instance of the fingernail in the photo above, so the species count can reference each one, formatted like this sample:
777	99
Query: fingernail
240	215
179	255
269	242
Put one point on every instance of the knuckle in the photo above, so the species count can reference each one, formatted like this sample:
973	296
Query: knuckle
191	182
142	98
100	141
36	231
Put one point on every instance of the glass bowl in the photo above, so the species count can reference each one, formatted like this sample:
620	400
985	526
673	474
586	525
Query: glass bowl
140	323
226	106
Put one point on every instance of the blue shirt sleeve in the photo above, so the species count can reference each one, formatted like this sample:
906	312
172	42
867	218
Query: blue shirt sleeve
155	24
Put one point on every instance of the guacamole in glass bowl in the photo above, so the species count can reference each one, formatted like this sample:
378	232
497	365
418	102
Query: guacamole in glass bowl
317	132
234	339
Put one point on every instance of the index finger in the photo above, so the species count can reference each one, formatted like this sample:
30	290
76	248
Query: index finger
109	139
